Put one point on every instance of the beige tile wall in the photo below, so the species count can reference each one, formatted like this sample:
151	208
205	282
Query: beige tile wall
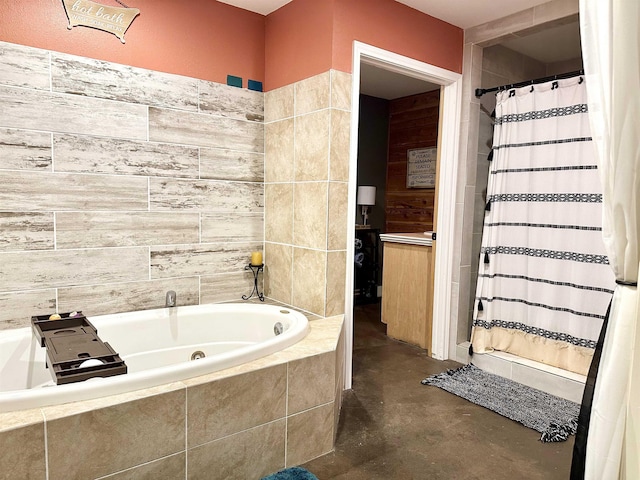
307	131
120	183
240	423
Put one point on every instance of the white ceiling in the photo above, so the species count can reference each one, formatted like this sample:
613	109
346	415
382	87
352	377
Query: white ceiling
461	13
265	7
469	13
550	45
376	82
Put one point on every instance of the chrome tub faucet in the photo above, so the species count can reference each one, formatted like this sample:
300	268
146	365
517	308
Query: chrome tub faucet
170	299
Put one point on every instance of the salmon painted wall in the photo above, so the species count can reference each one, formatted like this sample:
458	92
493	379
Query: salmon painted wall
207	39
397	28
297	46
201	38
298	41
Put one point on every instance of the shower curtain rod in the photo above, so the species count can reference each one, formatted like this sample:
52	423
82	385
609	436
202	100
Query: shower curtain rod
482	91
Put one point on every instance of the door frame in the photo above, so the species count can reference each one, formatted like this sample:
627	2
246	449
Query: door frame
451	100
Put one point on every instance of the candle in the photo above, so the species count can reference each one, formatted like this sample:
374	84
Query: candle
256	258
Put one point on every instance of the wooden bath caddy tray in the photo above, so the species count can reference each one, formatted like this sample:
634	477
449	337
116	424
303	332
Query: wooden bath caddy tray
74	350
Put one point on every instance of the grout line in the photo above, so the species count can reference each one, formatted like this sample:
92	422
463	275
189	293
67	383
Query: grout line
186	432
293	197
286	417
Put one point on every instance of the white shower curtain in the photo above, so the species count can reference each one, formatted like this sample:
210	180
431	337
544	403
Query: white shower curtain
544	282
610	35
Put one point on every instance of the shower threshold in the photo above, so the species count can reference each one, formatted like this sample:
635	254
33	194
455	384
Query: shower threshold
553	380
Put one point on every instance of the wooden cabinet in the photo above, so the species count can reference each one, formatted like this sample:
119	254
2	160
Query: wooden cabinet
407	293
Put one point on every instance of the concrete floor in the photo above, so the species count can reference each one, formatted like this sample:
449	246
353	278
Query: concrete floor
393	427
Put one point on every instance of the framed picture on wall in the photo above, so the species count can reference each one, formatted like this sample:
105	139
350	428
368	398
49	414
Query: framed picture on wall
421	167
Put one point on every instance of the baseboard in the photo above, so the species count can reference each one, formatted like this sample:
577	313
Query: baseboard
553	380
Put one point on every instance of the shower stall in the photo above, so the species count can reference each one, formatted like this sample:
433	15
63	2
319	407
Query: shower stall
495	57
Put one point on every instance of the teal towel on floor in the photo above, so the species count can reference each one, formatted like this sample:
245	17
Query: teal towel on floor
293	473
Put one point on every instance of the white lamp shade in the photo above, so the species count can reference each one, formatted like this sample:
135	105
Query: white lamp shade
366	195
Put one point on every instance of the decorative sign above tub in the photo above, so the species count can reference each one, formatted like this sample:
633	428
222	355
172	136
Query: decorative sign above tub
421	167
114	20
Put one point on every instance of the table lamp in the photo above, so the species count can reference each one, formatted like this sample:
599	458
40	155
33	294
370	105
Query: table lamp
366	198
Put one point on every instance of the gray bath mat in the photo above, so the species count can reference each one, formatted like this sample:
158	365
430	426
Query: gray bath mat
554	417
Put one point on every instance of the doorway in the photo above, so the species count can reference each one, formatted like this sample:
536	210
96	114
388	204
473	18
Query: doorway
450	84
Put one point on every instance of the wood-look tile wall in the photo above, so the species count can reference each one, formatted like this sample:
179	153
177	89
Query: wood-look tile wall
120	183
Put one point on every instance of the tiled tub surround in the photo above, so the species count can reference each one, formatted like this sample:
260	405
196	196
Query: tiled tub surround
120	183
307	132
240	423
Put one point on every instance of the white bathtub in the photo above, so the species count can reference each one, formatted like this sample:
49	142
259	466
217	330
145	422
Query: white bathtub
156	346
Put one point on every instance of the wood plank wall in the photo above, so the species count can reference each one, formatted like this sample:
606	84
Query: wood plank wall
413	123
